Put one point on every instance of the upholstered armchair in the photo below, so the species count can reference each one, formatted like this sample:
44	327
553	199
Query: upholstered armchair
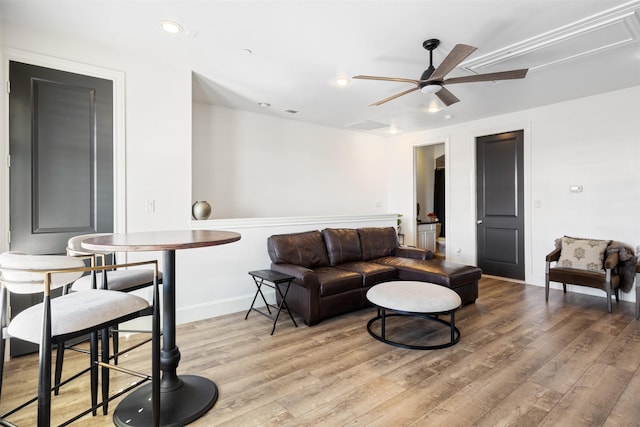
600	264
638	290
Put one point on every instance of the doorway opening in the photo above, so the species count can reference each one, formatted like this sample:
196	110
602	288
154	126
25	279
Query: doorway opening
430	198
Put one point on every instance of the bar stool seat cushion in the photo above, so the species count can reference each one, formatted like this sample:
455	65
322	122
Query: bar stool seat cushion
118	280
97	307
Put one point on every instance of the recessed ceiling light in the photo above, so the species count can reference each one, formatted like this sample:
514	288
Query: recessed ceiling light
448	116
171	27
290	111
264	104
342	81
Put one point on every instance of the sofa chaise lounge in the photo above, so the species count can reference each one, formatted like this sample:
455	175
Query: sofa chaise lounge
334	268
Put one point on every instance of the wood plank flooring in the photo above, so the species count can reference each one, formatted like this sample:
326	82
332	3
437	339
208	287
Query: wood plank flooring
520	362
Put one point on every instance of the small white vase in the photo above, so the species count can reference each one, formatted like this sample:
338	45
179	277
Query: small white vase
201	210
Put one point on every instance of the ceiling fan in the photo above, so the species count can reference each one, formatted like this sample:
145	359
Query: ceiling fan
433	79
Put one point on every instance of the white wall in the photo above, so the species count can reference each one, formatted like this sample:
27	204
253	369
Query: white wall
156	118
251	165
215	281
319	171
593	142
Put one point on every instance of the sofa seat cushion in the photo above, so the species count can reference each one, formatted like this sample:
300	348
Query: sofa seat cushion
304	249
336	280
574	276
343	245
372	273
436	271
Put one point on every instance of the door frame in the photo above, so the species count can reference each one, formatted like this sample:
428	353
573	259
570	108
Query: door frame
119	153
412	228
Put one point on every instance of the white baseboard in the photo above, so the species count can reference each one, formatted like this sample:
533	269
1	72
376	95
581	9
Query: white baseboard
221	307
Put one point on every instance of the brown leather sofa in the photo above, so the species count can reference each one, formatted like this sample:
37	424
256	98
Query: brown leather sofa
333	269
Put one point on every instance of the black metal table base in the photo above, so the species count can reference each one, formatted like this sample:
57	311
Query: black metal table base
178	406
382	316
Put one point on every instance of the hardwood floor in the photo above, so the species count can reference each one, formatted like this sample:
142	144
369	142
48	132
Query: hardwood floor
519	362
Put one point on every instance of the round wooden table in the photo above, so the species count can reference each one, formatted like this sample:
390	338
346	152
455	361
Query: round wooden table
182	398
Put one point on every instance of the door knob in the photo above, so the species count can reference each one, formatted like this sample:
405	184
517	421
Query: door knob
479	221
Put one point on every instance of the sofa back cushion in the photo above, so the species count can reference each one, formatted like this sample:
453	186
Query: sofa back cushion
377	242
343	245
304	249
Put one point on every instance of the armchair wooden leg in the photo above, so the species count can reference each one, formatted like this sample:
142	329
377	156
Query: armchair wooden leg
546	288
564	288
608	289
637	299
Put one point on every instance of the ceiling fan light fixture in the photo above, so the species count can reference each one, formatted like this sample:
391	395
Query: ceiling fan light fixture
430	88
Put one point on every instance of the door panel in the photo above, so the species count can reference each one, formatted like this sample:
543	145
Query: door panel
61	175
63	120
500	204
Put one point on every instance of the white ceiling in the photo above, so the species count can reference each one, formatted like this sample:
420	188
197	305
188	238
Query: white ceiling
288	53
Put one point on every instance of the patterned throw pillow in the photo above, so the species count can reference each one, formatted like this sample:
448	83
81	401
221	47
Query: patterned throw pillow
583	254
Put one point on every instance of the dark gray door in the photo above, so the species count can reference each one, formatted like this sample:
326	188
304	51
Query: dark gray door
500	204
61	146
61	174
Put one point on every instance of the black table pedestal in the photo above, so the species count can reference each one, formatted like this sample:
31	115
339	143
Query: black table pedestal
183	398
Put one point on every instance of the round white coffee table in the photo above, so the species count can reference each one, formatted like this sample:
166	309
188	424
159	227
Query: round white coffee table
415	299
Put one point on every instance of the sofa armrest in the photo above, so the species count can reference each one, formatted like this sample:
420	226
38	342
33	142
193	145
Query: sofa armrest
414	253
553	255
303	276
611	261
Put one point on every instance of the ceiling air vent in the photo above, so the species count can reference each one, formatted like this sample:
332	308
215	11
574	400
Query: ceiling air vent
367	125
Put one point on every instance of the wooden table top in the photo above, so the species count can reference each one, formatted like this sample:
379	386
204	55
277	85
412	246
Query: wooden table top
160	240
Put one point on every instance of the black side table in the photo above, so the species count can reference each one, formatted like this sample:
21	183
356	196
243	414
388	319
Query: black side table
275	280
